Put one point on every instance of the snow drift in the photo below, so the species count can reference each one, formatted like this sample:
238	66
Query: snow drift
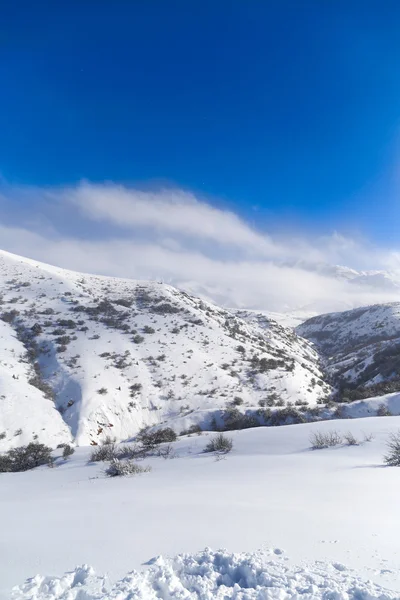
210	575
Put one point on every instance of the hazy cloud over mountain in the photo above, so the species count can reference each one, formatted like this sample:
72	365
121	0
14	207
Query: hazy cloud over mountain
174	236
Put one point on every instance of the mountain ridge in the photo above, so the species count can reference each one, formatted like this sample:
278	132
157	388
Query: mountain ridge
115	355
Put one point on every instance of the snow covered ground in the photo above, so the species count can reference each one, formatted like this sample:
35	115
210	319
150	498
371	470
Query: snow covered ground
211	575
338	506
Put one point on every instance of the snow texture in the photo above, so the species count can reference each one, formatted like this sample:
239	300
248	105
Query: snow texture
210	575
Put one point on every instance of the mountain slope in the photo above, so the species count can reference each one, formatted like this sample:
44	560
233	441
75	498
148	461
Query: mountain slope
24	410
115	355
361	348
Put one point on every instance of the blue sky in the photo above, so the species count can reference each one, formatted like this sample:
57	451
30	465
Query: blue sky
285	112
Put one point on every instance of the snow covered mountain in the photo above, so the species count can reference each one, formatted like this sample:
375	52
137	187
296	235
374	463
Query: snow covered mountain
361	348
84	356
380	280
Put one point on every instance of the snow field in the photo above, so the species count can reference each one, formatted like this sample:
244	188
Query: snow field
338	505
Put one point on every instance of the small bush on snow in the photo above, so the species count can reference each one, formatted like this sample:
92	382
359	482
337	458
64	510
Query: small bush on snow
192	429
150	439
131	452
320	440
121	468
237	401
166	451
350	439
219	443
68	451
105	452
383	411
392	458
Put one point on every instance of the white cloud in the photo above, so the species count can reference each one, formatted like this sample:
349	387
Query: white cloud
167	211
174	237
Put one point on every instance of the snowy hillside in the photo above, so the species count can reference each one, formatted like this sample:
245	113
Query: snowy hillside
361	347
272	493
85	356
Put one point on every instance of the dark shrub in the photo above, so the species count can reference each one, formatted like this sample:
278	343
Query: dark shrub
150	439
383	411
234	419
9	317
36	329
68	323
237	401
68	451
392	458
164	309
25	458
147	329
105	452
40	384
286	416
63	340
123	302
320	440
135	388
219	443
192	429
122	468
59	331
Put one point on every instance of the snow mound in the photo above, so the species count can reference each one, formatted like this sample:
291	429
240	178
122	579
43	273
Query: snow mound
210	575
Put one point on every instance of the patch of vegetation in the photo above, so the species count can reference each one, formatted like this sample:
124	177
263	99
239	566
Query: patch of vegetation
392	458
383	411
220	444
286	416
36	329
25	458
59	331
63	340
10	316
192	429
123	302
151	439
164	308
148	329
38	382
68	323
320	439
233	419
68	451
237	401
135	389
107	451
350	439
122	468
